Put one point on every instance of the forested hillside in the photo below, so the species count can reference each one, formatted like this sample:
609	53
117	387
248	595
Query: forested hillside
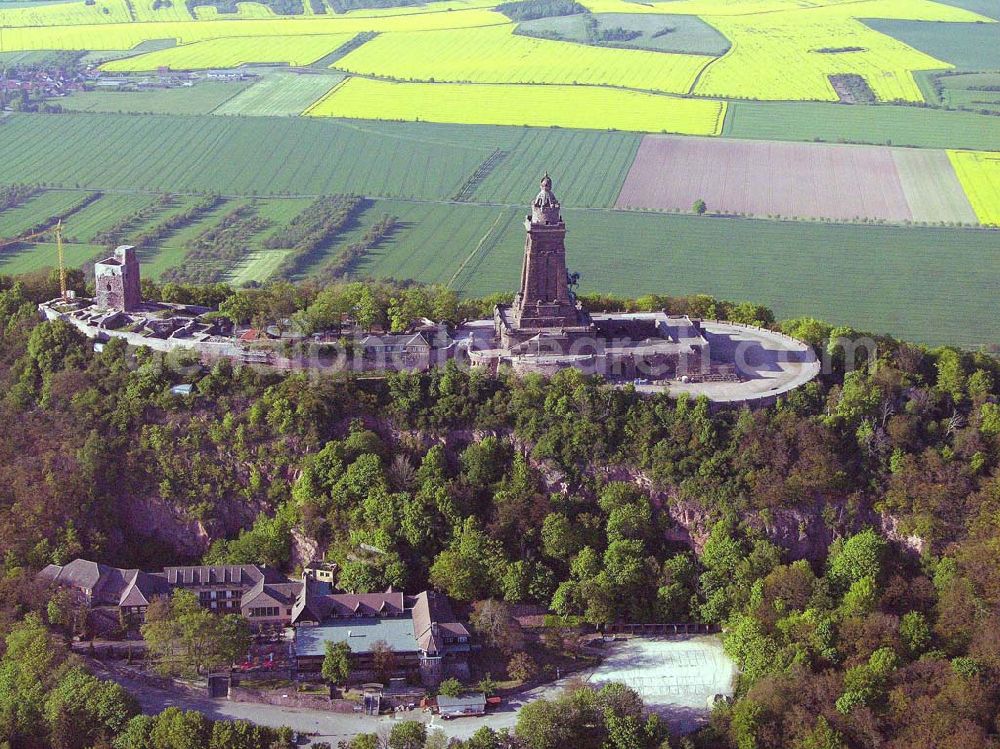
846	539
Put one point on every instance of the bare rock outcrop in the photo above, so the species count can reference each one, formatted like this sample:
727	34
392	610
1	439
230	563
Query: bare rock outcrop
304	549
149	517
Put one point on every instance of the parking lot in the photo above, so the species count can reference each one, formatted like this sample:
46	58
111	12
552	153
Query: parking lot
676	676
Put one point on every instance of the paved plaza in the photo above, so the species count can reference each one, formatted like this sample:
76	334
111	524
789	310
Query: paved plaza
675	676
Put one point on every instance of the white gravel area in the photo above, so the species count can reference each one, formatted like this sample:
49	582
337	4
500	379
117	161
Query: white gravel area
676	676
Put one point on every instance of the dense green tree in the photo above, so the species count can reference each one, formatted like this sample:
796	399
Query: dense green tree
823	736
336	667
179	729
522	667
451	687
409	734
363	741
82	710
184	637
858	557
472	566
32	664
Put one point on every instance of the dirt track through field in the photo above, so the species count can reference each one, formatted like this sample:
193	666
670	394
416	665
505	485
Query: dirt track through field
812	180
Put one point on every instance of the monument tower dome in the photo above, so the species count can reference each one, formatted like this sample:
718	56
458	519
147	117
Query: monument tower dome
545	208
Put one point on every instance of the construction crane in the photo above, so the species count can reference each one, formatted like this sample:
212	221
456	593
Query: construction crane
59	251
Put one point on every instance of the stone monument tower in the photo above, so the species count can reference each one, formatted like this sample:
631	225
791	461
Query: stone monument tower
544	300
117	280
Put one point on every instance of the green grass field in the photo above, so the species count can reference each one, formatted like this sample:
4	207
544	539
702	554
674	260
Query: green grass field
28	258
258	266
276	156
859	275
185	234
16	221
156	260
101	56
199	99
170	251
967	46
282	211
251	155
280	94
968	91
687	34
932	188
589	167
430	243
102	214
41	57
988	8
899	125
978	100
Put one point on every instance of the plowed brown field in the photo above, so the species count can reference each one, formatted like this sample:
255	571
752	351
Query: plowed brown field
769	178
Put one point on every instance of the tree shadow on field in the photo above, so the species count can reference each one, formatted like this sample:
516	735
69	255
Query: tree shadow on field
353	222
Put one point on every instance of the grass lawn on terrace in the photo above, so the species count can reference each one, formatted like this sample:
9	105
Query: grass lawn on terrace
258	266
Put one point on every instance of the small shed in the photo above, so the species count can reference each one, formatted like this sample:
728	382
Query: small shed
250	335
467	704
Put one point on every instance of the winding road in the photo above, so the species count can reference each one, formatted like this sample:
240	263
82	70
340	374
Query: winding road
323	725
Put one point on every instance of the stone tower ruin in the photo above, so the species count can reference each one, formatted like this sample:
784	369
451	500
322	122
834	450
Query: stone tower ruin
117	280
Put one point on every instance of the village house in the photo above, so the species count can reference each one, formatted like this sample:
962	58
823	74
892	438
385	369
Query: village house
426	638
410	350
228	589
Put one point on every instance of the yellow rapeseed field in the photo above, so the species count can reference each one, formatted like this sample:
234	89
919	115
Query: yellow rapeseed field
127	35
589	107
233	52
979	173
778	57
119	11
781	49
496	55
66	14
775	43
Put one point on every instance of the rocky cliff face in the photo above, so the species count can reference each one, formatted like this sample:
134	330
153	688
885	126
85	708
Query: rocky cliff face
161	524
805	532
154	519
304	549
